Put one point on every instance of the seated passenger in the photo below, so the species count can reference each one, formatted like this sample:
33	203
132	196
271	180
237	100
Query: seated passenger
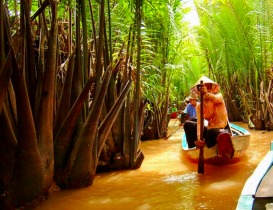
190	109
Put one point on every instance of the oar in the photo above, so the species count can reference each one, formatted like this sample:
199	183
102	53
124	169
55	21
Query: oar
201	152
168	136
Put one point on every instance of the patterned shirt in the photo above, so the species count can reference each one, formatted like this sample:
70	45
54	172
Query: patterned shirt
214	112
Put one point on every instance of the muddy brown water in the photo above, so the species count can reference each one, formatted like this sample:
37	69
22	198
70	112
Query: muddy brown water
167	180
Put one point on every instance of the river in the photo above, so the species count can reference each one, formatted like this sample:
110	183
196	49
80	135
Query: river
167	180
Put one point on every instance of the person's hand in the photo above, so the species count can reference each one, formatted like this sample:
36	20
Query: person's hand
199	143
204	89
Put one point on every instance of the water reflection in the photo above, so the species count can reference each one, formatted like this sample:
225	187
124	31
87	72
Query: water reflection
166	180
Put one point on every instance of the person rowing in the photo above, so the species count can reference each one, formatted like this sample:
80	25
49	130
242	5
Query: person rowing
215	113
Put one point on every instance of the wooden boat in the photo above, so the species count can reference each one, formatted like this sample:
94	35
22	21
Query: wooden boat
240	139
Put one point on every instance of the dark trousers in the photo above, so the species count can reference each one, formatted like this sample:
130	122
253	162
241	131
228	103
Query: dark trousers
210	135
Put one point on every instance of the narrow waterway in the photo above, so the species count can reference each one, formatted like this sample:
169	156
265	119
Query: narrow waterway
167	180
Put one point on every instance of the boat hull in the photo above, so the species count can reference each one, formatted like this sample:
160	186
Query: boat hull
240	140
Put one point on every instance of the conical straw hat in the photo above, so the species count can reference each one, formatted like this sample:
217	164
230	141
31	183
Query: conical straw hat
206	80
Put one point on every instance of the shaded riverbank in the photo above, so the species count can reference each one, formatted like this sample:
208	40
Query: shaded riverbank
166	180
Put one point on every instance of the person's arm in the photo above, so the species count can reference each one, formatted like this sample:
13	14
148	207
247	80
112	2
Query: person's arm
215	98
186	109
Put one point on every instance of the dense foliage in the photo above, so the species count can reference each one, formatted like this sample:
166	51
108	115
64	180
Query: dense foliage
236	38
81	81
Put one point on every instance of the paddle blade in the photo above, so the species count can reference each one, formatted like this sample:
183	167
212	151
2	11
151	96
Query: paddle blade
201	163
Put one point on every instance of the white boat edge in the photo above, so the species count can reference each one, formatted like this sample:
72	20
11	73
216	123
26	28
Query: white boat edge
247	197
240	141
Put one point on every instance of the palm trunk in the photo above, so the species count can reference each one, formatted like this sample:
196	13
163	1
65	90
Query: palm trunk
81	164
28	174
45	121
